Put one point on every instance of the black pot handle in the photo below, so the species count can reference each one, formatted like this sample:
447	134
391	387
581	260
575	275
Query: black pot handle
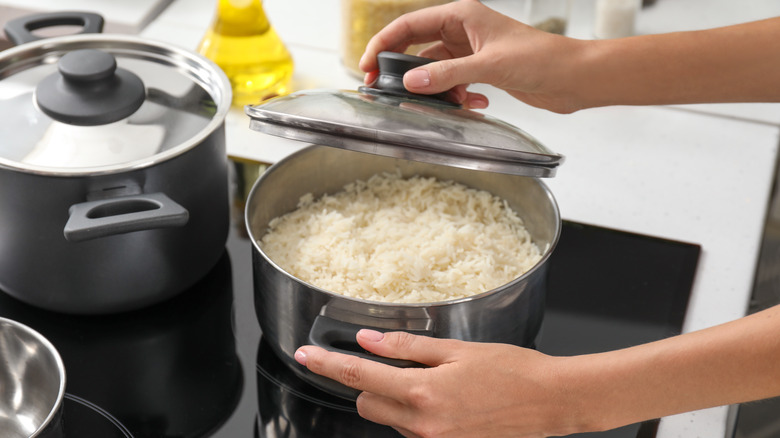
111	216
339	336
19	30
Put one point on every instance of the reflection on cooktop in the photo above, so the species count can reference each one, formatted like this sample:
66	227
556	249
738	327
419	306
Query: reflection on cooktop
170	370
83	418
291	407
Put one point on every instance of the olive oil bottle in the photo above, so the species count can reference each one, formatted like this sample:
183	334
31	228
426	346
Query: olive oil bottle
242	42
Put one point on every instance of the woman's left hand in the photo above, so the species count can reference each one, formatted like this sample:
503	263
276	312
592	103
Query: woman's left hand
470	389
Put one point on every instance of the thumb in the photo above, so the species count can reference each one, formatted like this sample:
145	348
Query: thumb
440	76
402	345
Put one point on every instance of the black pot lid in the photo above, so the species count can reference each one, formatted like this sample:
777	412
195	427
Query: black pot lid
100	103
388	120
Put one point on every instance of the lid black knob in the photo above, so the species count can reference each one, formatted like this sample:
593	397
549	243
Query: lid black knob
89	89
87	65
392	67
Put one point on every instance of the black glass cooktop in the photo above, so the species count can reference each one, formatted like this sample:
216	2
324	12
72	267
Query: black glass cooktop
196	366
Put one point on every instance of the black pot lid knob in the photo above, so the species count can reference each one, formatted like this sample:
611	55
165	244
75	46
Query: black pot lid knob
390	81
89	89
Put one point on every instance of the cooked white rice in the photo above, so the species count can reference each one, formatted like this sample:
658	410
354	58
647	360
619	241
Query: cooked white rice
391	239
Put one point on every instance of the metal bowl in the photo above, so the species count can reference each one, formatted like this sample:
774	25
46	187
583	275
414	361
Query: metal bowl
32	382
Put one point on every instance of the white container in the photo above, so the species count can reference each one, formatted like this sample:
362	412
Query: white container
616	18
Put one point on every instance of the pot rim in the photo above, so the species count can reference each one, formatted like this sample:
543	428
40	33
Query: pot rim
539	265
53	412
203	71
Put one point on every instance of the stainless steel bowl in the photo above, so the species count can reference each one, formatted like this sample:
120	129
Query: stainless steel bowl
32	382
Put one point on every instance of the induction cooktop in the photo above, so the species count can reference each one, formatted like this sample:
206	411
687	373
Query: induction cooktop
607	289
197	365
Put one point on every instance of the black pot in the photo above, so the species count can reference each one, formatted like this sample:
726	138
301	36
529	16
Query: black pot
112	197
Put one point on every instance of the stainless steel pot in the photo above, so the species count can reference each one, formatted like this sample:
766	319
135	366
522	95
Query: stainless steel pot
382	128
293	313
32	383
113	170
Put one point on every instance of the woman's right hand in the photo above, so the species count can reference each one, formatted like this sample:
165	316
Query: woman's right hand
475	44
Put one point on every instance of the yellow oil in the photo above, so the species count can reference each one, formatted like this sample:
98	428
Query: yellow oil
242	42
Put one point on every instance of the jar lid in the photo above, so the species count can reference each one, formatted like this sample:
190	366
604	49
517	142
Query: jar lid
99	103
385	119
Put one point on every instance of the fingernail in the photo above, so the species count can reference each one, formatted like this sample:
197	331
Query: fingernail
371	335
417	78
478	103
300	357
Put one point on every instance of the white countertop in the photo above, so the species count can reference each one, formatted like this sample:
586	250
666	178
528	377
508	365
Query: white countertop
696	173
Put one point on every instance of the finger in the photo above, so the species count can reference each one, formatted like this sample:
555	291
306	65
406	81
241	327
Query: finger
475	101
440	76
402	345
371	77
361	374
406	433
382	410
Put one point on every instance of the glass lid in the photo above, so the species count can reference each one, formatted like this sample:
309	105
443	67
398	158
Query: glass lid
91	103
390	121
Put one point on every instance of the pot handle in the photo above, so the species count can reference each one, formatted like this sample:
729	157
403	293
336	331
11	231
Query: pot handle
107	217
19	30
339	336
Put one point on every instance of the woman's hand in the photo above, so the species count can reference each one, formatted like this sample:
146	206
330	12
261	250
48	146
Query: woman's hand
477	44
480	389
470	389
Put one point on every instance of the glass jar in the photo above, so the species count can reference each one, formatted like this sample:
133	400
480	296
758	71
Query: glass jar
362	19
549	15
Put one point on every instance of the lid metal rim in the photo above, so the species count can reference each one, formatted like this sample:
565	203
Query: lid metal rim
265	116
479	163
204	72
406	140
538	154
143	163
